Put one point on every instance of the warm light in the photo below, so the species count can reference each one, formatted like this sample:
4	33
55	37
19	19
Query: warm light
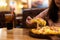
29	3
20	6
2	0
24	1
3	3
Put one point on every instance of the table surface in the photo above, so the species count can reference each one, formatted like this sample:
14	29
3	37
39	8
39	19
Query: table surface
16	34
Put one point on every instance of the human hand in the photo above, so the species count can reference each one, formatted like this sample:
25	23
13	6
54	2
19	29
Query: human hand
28	20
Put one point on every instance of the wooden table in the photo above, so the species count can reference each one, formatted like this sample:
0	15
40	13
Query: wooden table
16	34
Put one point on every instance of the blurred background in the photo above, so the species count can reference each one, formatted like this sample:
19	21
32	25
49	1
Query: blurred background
5	5
20	9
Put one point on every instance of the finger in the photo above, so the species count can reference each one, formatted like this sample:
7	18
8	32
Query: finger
28	22
29	18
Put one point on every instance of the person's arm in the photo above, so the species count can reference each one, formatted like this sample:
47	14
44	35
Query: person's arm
42	14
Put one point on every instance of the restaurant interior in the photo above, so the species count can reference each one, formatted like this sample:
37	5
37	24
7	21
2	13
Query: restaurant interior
13	14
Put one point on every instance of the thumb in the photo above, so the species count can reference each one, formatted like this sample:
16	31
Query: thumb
29	18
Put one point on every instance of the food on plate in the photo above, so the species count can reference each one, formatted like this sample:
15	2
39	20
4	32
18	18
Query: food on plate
46	30
39	21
